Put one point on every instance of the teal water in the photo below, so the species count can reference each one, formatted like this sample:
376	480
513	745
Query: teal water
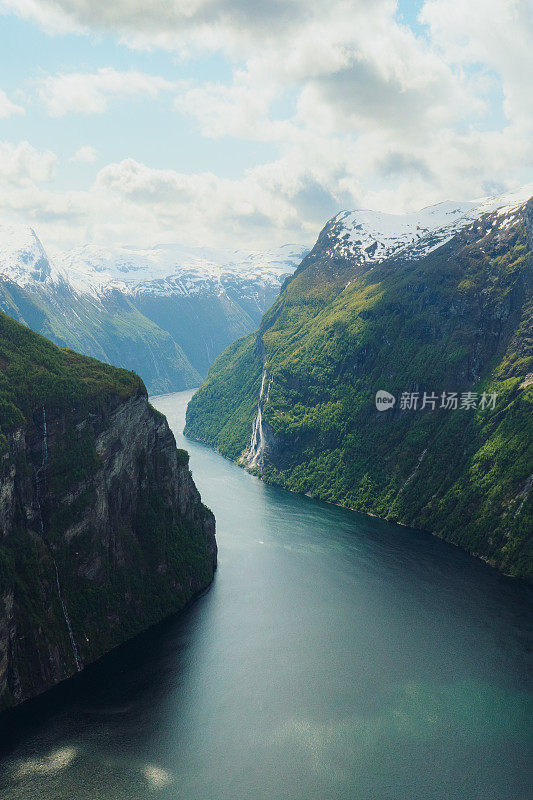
335	656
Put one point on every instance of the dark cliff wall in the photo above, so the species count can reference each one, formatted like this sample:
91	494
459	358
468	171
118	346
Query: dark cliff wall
102	530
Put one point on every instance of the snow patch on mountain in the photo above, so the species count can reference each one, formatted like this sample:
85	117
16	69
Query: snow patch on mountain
22	257
172	269
162	270
372	236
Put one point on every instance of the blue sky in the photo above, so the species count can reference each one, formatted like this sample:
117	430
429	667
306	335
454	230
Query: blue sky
147	129
246	124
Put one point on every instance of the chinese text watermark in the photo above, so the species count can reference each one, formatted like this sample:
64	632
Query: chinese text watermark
449	401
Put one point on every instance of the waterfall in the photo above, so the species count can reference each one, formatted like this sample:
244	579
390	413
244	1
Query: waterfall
45	440
67	620
412	475
68	623
256	448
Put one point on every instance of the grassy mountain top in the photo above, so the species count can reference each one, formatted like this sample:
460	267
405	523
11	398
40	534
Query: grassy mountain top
35	372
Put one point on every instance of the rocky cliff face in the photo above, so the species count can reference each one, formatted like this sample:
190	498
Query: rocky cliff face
102	533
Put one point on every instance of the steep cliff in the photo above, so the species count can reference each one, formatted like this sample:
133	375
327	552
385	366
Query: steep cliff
102	530
424	307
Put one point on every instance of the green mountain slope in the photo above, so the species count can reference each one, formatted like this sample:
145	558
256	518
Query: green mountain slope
203	324
458	319
111	329
153	311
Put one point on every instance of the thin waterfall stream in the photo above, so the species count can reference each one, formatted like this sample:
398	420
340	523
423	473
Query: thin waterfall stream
40	472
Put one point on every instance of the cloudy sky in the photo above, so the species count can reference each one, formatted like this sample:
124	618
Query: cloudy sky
249	123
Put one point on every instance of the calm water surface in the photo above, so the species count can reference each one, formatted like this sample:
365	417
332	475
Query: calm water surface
335	656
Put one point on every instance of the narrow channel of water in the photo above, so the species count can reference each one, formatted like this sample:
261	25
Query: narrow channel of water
335	657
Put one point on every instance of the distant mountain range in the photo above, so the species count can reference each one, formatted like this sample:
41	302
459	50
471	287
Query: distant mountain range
164	312
420	309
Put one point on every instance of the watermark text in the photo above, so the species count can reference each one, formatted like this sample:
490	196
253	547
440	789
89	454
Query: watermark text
449	401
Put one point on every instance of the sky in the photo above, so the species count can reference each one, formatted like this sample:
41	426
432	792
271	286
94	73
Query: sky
249	123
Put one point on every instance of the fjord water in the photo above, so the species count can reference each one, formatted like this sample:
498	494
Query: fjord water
335	656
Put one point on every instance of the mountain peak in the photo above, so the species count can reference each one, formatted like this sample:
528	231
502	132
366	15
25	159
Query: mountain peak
23	259
372	236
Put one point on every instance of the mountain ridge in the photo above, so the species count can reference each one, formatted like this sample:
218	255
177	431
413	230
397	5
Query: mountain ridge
455	318
140	309
413	234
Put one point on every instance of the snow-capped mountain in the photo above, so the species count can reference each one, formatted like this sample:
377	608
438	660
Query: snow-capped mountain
164	269
371	236
165	312
172	269
168	311
397	306
23	259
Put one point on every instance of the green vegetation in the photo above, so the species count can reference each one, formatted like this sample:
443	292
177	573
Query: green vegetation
230	392
458	320
112	330
169	340
35	373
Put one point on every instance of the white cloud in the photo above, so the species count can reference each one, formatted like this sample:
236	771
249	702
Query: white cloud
494	33
207	24
89	93
130	202
208	207
23	165
240	110
85	155
372	114
287	200
7	107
